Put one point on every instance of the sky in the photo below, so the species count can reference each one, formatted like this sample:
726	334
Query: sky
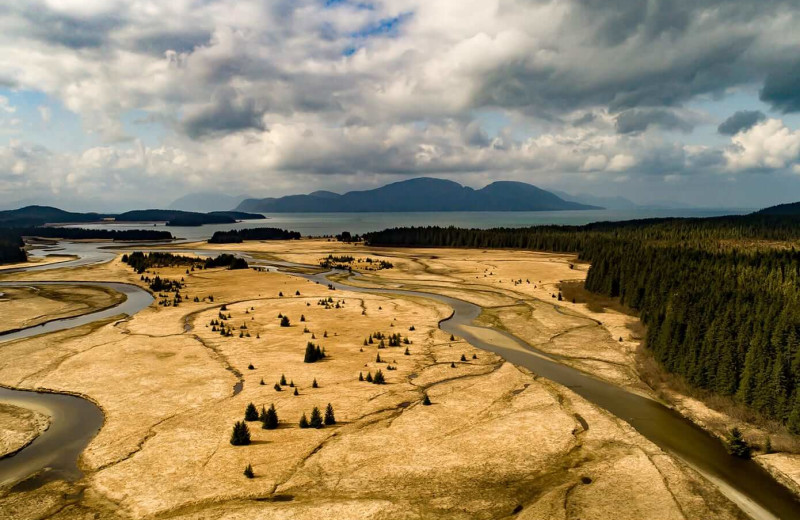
115	104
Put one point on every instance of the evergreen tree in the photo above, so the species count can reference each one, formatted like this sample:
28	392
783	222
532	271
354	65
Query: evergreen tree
270	420
241	434
296	392
283	380
316	418
737	446
251	413
277	387
369	377
426	401
379	379
304	421
329	417
248	471
314	384
285	321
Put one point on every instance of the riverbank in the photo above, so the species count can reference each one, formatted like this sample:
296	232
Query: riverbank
19	427
520	291
165	380
33	305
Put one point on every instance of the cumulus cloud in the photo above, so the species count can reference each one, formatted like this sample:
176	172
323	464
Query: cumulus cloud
258	89
767	145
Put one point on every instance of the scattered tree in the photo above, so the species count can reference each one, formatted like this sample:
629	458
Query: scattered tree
329	417
241	434
285	321
251	413
316	418
248	471
270	419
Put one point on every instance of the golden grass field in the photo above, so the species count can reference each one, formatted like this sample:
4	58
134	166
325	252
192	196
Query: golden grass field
496	442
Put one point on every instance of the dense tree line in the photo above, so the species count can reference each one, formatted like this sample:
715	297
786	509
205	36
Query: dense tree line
720	296
11	245
141	261
235	236
11	238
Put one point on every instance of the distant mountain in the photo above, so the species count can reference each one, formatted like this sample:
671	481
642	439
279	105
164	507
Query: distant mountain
792	208
31	216
207	201
422	194
598	200
38	215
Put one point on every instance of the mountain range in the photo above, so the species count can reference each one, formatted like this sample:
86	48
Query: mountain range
421	194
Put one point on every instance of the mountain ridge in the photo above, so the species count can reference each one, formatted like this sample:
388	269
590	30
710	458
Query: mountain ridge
421	194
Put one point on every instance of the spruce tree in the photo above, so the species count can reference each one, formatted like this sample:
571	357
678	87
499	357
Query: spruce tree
283	380
248	471
329	417
426	401
241	434
251	413
270	420
737	446
452	338
285	321
296	392
360	376
277	387
379	379
463	357
304	421
369	377
314	384
316	418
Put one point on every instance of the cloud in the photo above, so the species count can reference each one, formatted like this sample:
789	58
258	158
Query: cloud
5	106
768	145
45	113
227	112
782	88
741	120
639	120
287	93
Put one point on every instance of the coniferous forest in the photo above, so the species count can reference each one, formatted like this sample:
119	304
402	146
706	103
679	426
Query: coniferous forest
720	296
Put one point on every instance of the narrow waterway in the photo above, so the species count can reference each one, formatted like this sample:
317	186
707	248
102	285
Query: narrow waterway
742	481
74	421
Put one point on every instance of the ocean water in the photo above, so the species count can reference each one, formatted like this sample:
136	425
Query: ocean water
322	224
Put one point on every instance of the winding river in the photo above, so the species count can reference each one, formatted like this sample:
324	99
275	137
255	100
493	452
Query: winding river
75	421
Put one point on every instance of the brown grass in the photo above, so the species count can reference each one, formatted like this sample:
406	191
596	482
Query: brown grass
574	291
